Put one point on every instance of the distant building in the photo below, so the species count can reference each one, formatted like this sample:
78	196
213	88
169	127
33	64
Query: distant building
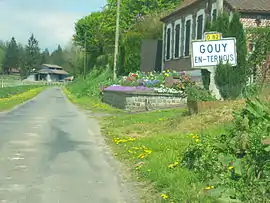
187	23
49	73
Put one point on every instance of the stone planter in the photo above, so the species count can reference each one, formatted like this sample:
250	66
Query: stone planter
192	107
142	100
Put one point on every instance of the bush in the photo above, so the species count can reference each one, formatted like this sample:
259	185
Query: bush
130	51
227	79
231	80
235	166
195	93
92	83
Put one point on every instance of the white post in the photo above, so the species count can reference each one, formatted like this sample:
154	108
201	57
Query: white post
212	86
219	7
116	39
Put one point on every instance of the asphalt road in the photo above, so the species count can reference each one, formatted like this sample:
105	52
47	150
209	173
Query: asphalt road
50	152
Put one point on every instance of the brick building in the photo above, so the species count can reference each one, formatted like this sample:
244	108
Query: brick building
187	22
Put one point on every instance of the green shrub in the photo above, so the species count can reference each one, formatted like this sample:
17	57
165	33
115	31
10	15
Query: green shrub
235	166
227	79
231	81
195	93
90	86
130	51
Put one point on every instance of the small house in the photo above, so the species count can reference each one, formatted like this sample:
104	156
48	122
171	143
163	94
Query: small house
187	23
49	73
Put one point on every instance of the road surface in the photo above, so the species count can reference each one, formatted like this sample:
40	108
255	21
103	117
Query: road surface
50	152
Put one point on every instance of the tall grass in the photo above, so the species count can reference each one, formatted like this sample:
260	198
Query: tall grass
90	86
86	92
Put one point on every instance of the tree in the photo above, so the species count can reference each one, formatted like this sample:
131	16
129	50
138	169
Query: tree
11	59
74	59
260	59
231	80
98	29
2	56
45	57
32	58
57	56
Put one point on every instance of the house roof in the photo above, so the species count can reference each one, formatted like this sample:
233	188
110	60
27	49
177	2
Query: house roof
251	6
52	66
254	6
58	72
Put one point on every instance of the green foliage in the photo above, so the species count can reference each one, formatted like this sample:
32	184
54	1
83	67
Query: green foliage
11	59
90	86
235	166
31	59
260	36
9	91
231	80
2	56
251	90
138	19
131	47
228	82
196	93
45	57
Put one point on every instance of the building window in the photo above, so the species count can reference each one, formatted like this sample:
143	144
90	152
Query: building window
200	24
214	12
188	34
177	39
168	42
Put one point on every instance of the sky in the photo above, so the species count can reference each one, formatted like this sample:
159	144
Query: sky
51	21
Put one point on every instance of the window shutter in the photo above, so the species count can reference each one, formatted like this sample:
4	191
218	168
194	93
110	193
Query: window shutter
177	41
200	27
187	40
168	44
214	14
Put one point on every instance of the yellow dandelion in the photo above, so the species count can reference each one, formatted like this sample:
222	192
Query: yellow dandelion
164	196
209	188
230	167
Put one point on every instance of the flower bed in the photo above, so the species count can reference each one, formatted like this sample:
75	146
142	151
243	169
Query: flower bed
141	91
170	82
128	88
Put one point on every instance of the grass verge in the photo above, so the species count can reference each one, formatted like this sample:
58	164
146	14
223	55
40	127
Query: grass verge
90	103
86	92
152	144
15	99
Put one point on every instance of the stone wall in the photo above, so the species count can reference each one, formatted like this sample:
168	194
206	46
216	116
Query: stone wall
142	101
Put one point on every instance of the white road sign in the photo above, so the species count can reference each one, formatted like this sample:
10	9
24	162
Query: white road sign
210	53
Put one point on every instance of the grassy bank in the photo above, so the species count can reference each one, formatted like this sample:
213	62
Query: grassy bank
86	92
12	96
153	145
9	91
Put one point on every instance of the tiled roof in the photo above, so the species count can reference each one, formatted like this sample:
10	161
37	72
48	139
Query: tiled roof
52	66
58	72
260	6
250	5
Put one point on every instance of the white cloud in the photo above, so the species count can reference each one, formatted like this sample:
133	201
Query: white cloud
50	24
